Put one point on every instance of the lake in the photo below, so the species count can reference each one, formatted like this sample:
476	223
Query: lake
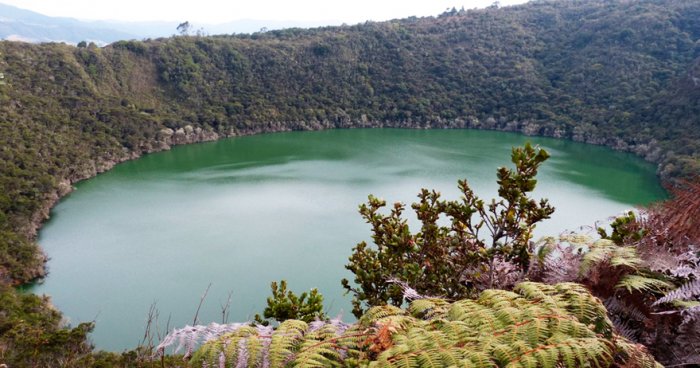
242	212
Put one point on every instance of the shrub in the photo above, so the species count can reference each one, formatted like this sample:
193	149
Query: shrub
486	245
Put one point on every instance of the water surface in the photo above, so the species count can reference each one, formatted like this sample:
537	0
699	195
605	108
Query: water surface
240	213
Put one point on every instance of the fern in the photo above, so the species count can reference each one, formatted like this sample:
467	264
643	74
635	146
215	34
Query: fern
189	337
636	353
617	306
686	291
536	325
653	253
626	318
285	339
427	308
320	348
605	251
642	283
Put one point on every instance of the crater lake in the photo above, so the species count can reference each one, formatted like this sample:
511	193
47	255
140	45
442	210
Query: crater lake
242	212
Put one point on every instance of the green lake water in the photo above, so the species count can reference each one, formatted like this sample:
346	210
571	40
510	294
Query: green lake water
242	212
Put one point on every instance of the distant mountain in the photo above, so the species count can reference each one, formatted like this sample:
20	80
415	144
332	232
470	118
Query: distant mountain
23	25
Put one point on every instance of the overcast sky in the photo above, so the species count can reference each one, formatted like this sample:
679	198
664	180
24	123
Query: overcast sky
220	11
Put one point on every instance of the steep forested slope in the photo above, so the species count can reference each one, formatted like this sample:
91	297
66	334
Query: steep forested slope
624	74
620	73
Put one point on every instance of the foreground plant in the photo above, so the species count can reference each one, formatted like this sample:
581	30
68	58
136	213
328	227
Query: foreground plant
646	271
539	325
284	305
486	245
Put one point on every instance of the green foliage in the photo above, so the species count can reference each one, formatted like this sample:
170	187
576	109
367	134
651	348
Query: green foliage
604	266
623	230
627	78
284	305
643	284
31	333
457	260
608	253
628	279
535	325
67	113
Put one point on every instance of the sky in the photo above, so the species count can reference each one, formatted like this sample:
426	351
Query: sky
221	11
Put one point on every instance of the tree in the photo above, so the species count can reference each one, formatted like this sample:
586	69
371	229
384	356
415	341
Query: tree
284	305
485	245
184	28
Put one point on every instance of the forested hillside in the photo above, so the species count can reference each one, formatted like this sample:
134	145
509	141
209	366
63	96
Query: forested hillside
620	73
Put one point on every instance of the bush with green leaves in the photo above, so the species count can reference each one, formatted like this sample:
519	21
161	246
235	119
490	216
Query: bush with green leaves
33	335
485	245
284	305
622	229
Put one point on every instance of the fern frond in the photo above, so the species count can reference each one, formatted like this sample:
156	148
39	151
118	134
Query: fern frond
322	345
541	293
642	283
189	337
685	304
377	314
314	353
625	256
284	340
685	291
472	314
477	359
606	251
228	344
635	355
537	325
427	308
617	307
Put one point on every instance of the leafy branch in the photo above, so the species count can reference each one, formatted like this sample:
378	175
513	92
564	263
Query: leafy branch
486	245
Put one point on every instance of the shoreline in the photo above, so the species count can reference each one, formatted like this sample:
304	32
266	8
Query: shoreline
167	138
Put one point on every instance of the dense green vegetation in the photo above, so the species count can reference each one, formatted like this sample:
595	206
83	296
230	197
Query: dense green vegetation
31	332
622	74
284	305
535	325
619	73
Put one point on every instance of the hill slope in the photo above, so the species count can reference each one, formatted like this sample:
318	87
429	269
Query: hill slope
623	74
620	73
